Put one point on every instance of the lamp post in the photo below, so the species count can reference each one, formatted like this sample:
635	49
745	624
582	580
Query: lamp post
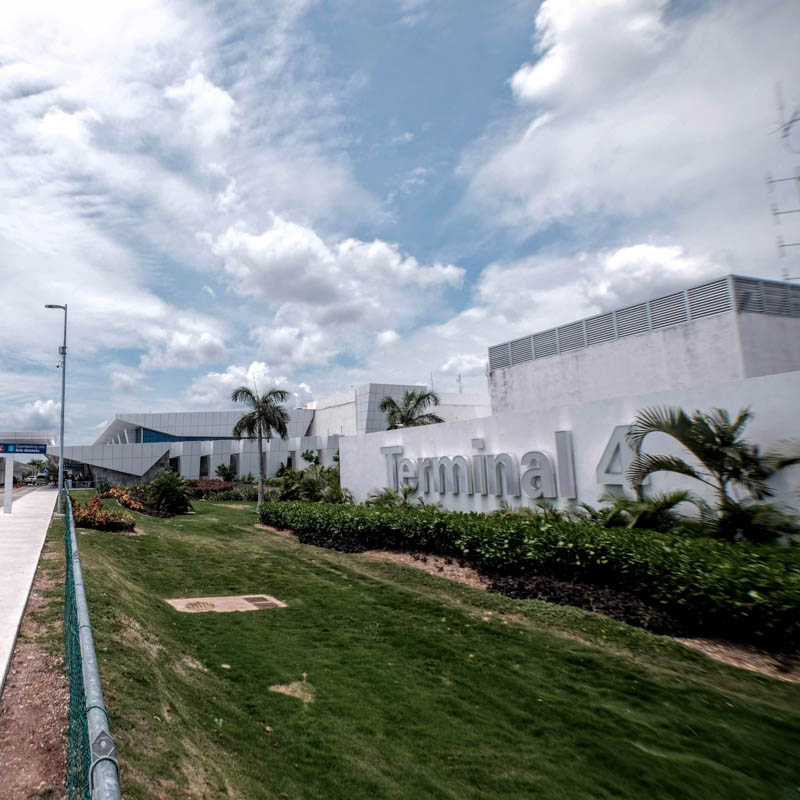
63	353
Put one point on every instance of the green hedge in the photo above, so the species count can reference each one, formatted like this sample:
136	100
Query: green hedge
739	591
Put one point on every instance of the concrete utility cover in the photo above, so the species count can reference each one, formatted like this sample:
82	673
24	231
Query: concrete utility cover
251	602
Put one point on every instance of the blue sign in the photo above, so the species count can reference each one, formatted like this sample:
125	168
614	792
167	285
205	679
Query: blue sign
23	449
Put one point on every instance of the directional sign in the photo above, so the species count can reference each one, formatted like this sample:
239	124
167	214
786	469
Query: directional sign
27	449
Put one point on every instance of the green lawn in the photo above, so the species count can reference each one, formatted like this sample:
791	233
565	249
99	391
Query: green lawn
423	688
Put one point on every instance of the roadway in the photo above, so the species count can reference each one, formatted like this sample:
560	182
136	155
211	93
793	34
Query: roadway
21	492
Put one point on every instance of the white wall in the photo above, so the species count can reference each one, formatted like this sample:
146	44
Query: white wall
454	407
704	351
769	343
336	417
773	399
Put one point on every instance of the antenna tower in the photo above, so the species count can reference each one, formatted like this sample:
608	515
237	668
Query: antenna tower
789	129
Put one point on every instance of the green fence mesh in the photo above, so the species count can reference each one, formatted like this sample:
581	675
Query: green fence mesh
78	754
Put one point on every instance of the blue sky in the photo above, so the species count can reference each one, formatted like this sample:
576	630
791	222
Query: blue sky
316	194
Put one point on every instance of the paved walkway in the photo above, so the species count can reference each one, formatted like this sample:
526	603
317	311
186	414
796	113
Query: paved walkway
22	536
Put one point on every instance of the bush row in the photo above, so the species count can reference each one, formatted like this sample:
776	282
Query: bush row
743	592
92	515
243	492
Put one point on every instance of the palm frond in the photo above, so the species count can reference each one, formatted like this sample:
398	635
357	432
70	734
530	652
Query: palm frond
427	419
646	464
786	454
672	421
244	394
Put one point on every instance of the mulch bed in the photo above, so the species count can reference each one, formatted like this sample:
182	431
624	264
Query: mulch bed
611	602
35	701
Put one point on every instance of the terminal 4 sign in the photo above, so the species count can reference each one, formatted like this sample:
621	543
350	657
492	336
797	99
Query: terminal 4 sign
22	449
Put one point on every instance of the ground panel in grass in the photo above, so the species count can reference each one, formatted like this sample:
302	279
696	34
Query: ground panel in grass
420	687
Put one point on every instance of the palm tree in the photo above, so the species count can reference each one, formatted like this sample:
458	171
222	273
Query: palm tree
714	439
38	464
266	418
411	411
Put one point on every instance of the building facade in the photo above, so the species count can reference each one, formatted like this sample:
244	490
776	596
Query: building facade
562	401
134	448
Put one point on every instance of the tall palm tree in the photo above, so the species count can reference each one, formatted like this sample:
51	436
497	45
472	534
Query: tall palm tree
267	417
411	411
714	439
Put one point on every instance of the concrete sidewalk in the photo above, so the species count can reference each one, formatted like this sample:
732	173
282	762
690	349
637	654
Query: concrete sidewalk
22	535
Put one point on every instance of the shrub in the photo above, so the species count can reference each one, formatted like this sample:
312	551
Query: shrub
201	488
169	492
225	473
739	591
93	515
246	493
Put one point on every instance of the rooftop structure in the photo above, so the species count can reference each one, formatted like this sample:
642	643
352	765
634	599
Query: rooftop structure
726	329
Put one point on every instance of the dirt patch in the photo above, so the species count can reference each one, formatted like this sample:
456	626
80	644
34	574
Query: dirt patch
745	658
618	605
133	634
35	701
435	565
299	689
237	506
269	528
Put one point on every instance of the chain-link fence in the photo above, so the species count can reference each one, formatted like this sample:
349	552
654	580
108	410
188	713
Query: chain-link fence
92	769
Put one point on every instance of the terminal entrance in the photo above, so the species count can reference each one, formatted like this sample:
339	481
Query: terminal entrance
13	446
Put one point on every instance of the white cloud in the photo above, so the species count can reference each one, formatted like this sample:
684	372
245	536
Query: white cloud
213	390
194	344
209	291
208	110
325	296
38	415
290	262
387	337
464	364
292	345
126	380
637	121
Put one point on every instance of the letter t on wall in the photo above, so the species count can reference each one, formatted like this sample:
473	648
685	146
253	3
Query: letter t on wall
391	454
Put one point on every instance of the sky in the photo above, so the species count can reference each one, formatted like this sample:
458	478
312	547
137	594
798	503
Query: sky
316	194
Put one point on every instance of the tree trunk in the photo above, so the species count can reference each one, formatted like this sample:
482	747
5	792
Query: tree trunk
260	468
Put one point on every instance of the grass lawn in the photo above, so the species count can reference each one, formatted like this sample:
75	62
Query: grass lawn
422	688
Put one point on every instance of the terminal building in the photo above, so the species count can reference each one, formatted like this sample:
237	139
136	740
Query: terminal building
552	426
133	448
562	400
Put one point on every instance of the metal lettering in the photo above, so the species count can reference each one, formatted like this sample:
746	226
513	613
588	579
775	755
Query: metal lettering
566	465
407	472
539	479
391	454
500	469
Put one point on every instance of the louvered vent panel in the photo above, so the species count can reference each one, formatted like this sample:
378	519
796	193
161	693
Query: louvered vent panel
522	350
631	320
498	357
794	294
711	298
570	337
600	329
776	298
748	295
669	310
545	344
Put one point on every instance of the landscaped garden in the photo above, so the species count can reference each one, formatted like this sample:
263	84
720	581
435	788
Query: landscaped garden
379	680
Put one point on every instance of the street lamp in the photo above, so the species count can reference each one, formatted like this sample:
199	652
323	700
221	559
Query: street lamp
62	351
